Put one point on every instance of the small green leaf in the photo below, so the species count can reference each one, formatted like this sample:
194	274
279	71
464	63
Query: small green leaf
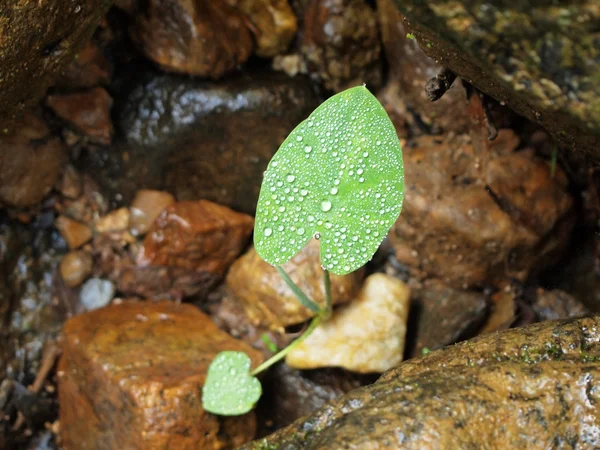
272	346
338	177
229	389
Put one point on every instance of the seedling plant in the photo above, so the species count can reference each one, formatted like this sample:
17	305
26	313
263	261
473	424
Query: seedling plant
337	178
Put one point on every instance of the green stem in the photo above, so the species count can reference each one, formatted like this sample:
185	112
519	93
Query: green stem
327	282
301	296
279	356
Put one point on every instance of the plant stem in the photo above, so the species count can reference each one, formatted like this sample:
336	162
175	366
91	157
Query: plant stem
279	356
301	296
327	282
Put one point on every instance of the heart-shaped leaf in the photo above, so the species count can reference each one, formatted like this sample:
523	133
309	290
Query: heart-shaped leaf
338	177
229	389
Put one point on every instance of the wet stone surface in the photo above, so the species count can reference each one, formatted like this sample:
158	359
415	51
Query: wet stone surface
191	137
539	384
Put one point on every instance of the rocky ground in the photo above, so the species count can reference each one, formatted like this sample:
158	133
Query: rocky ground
130	165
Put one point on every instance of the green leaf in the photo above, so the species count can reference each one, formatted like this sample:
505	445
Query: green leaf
229	389
338	177
272	346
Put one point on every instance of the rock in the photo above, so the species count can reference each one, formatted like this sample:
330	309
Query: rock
443	315
75	233
131	377
503	312
90	68
290	393
475	217
201	140
96	293
30	160
196	235
145	208
273	25
556	304
87	206
365	336
534	383
37	40
409	69
87	111
71	183
539	59
340	43
198	38
267	300
75	267
117	220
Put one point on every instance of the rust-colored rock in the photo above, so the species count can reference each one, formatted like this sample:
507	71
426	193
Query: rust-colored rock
131	377
90	68
75	233
539	385
37	40
340	42
273	25
475	216
206	38
88	112
198	235
267	299
30	161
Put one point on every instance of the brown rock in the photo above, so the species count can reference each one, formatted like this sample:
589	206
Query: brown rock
88	112
87	206
198	235
534	383
473	216
557	304
75	267
273	25
340	42
503	312
409	70
267	299
117	220
131	377
71	183
443	315
75	233
145	208
90	68
198	38
37	40
30	161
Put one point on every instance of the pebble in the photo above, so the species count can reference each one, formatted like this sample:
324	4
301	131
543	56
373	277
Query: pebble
75	267
96	293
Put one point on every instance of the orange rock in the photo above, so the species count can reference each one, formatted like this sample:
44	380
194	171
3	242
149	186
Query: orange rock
75	267
117	220
200	235
145	208
75	233
131	377
267	299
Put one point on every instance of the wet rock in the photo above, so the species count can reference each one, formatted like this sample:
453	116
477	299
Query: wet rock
87	206
38	44
96	293
365	336
30	160
443	315
539	59
273	25
267	300
409	70
556	304
145	208
87	111
289	394
503	311
131	377
475	215
88	69
115	224
202	140
71	183
340	43
534	383
197	38
200	235
75	267
75	233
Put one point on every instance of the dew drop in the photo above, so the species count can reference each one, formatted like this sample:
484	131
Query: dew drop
300	231
325	206
317	236
308	149
336	182
268	232
334	190
290	178
299	138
